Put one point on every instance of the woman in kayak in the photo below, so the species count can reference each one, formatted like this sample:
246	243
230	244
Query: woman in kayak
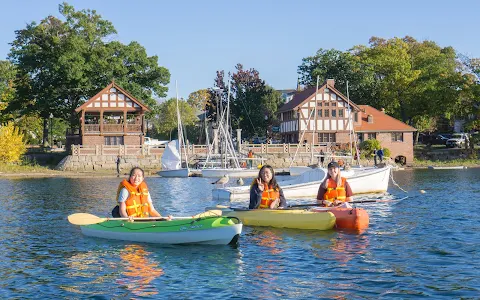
265	191
134	200
334	190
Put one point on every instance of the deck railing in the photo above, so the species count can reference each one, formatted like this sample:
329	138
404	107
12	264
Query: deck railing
195	149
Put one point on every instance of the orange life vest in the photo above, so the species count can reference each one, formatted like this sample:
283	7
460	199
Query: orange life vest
268	196
335	192
137	203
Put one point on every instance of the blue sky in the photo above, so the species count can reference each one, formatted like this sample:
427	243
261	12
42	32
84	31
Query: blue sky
194	39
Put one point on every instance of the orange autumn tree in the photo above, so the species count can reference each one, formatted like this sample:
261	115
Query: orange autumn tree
12	146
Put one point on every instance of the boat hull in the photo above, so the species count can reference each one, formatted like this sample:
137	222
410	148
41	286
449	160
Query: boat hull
295	219
184	172
374	180
233	173
214	231
355	219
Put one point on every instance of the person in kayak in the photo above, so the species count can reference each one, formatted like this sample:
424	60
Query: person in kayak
134	200
334	190
265	191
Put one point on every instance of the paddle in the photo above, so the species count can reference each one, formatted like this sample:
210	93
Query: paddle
89	219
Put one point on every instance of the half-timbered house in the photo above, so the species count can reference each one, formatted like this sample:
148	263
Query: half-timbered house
328	116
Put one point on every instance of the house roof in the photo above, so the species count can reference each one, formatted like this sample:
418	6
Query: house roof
381	121
300	97
106	90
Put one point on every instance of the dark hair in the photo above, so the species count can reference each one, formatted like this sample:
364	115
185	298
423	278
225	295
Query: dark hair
273	183
136	168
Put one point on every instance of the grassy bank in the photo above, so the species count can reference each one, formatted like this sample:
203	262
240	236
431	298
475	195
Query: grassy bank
442	163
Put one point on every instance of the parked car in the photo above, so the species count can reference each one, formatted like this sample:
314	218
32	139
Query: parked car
457	140
434	139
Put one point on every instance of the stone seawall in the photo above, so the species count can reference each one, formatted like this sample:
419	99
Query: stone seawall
107	162
81	163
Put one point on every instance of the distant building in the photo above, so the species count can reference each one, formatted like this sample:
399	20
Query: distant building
329	117
111	117
287	95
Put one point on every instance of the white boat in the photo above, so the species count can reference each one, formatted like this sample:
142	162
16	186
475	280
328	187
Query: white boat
172	156
232	172
361	180
172	162
447	168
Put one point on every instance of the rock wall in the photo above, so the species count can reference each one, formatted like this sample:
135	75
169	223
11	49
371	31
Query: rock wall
81	163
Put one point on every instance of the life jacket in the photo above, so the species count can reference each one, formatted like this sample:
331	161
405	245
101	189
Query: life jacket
335	192
268	196
250	154
137	202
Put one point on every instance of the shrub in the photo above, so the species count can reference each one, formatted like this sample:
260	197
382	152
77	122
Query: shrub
12	146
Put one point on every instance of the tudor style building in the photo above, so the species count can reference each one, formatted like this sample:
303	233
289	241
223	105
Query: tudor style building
329	117
112	117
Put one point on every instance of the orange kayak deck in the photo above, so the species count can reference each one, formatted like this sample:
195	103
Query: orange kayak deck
356	219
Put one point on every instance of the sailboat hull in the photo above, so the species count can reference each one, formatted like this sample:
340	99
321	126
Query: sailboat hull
233	172
184	172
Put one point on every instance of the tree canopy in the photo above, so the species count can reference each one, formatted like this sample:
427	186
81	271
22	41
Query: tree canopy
62	63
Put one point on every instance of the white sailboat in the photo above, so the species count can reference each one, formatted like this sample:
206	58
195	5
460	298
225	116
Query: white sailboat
361	180
229	163
172	156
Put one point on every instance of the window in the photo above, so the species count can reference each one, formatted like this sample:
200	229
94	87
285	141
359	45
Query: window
340	113
319	104
397	136
319	113
326	138
327	113
327	104
360	137
114	140
334	103
334	113
355	117
371	136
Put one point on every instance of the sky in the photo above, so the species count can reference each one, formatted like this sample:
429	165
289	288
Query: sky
193	39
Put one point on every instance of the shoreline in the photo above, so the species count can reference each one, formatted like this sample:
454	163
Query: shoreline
153	173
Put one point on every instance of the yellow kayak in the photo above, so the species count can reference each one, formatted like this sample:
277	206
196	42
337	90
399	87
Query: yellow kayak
283	218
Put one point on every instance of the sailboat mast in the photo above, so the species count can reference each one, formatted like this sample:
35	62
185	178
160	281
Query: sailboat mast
353	139
315	121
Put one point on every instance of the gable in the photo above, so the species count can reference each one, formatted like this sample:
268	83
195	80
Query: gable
113	97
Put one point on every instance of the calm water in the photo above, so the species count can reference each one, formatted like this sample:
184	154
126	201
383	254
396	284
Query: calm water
422	247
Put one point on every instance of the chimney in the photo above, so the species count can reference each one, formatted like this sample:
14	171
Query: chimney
383	110
331	82
370	119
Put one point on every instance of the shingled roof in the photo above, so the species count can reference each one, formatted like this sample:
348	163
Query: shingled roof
381	122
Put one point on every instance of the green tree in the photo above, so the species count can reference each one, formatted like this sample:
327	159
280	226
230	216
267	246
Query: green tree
199	99
168	122
63	63
7	88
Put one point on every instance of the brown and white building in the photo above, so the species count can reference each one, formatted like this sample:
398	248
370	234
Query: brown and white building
112	117
327	116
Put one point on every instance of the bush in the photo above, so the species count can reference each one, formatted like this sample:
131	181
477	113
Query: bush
367	147
12	146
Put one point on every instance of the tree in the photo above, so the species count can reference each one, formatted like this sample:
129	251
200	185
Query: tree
63	63
199	99
12	146
7	89
169	121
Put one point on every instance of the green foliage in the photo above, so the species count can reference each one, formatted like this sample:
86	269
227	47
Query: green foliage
199	99
7	89
367	147
32	128
62	63
168	120
253	104
12	146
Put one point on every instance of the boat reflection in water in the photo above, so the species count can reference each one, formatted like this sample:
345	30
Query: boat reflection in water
139	271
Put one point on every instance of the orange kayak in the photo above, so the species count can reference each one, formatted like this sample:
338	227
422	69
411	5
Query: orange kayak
347	218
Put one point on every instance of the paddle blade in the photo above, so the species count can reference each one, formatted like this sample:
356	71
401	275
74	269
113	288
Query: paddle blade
209	213
84	219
